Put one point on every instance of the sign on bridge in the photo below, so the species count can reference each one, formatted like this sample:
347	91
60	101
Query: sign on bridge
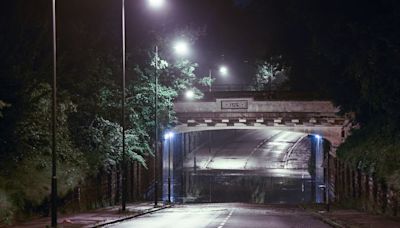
234	104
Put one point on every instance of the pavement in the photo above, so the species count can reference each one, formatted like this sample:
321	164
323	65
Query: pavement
351	218
96	218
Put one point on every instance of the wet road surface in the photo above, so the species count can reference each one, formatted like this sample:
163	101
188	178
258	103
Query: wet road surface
252	166
226	215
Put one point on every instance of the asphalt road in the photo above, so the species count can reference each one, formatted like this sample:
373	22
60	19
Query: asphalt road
225	216
268	151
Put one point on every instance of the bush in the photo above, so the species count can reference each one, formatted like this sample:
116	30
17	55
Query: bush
7	210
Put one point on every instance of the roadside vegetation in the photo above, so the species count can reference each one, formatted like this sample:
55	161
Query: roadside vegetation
89	132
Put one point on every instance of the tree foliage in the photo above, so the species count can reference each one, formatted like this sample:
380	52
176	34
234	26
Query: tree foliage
347	51
2	106
89	121
270	74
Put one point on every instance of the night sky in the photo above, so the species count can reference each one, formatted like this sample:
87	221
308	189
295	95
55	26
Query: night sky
234	34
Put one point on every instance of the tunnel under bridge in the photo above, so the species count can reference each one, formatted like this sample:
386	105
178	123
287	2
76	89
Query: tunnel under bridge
246	150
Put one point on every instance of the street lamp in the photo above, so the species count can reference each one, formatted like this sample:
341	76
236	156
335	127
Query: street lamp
124	171
54	122
189	94
181	48
156	4
155	126
223	71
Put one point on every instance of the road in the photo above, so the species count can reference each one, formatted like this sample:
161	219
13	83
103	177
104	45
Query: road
225	215
252	166
272	151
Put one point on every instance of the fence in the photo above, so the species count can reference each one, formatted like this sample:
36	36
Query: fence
364	191
105	188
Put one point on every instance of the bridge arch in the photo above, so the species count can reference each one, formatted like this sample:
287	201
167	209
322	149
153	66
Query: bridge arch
227	114
309	117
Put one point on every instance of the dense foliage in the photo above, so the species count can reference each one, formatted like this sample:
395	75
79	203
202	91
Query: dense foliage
270	75
89	94
348	51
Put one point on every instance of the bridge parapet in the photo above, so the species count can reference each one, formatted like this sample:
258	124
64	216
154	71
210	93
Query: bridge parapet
246	111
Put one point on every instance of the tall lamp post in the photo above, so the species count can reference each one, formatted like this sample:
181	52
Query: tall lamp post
124	162
155	127
181	48
155	4
53	117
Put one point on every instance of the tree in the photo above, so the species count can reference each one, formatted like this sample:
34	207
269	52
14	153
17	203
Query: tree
2	106
32	150
270	74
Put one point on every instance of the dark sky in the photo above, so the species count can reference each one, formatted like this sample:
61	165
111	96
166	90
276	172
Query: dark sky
232	33
237	32
232	36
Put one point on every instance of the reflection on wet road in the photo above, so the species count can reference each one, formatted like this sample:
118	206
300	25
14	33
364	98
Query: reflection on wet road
256	166
225	216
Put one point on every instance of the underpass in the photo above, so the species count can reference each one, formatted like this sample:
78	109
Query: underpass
251	166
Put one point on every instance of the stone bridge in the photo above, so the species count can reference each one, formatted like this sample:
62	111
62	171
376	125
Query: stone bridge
310	117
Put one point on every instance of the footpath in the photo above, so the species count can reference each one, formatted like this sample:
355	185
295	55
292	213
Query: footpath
350	218
96	218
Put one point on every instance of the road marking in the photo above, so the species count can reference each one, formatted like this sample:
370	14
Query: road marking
258	147
225	220
290	150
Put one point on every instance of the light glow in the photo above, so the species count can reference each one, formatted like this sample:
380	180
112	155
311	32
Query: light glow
169	135
156	4
223	70
181	48
317	137
189	94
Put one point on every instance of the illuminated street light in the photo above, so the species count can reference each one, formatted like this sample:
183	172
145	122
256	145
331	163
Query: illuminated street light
223	70
156	4
189	94
181	48
169	135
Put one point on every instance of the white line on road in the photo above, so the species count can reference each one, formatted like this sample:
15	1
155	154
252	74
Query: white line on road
225	220
258	147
